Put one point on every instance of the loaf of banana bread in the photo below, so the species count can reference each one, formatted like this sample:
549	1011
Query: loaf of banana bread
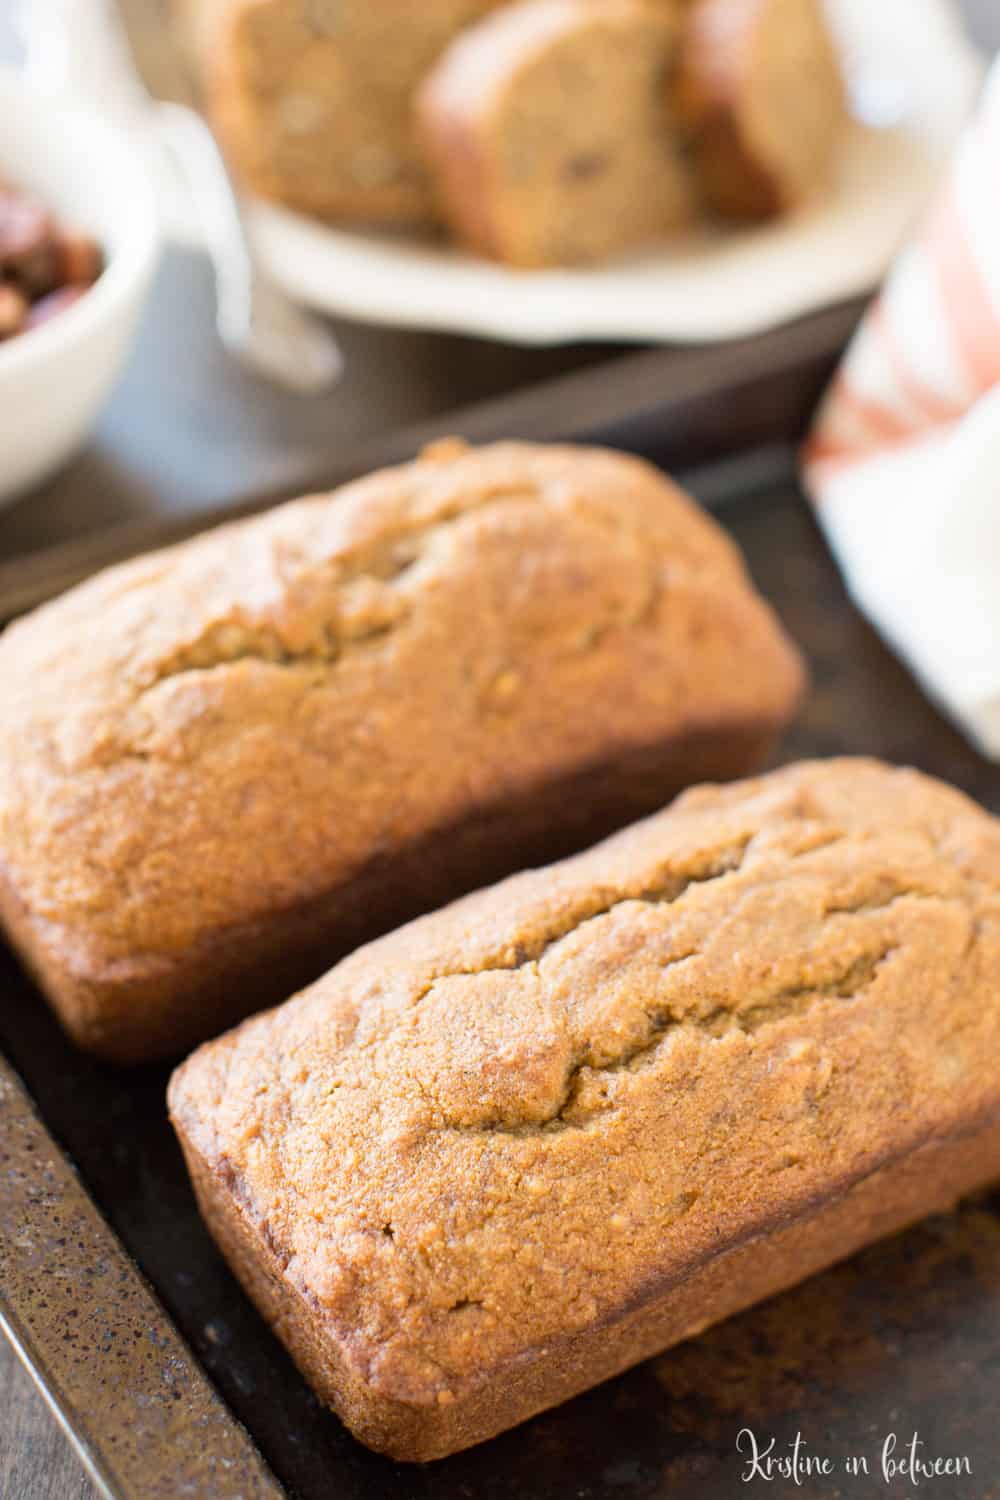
224	765
759	95
517	1146
547	131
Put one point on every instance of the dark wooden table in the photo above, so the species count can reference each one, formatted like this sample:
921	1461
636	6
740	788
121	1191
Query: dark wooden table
186	432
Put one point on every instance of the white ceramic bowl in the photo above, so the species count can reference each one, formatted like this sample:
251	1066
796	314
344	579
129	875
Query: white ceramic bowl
54	379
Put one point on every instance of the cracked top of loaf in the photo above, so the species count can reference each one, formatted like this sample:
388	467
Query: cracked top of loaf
222	730
508	1120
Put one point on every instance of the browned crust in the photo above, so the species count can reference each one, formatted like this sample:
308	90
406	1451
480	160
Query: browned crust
733	181
161	1006
459	171
154	916
895	1190
453	103
535	1137
227	106
239	118
453	106
708	96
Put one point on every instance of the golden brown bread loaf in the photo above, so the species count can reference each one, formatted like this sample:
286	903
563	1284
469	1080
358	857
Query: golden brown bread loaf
224	765
533	1138
759	94
547	131
312	99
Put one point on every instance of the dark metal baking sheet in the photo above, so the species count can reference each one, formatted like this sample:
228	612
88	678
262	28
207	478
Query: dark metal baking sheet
904	1338
138	1408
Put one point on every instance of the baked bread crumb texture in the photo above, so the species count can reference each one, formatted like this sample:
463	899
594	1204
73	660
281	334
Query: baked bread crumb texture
538	132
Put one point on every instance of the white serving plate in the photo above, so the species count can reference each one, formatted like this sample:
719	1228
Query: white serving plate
910	66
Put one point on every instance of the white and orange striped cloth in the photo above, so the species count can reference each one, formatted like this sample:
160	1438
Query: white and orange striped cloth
903	462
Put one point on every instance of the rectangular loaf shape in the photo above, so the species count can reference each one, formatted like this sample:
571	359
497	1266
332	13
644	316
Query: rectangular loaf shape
225	765
531	1139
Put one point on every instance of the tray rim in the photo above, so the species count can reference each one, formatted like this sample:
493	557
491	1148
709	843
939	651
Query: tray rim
38	1176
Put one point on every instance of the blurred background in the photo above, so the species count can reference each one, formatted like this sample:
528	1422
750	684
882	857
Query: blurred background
188	428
